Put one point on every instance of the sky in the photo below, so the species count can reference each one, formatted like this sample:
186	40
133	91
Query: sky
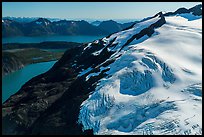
90	10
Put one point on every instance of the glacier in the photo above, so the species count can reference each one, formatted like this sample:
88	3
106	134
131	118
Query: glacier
154	86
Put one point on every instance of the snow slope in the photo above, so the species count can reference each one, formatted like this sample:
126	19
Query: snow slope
154	86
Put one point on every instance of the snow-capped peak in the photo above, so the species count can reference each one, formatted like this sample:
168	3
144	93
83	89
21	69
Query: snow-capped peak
43	21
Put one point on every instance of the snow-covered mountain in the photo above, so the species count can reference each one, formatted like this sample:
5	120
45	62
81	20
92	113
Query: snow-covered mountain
155	84
145	79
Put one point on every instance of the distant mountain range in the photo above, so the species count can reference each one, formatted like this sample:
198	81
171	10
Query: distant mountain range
42	26
28	19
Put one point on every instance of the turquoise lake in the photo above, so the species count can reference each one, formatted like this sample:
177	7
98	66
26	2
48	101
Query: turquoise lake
39	39
12	82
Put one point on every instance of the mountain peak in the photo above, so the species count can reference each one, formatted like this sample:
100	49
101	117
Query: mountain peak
196	10
109	21
43	21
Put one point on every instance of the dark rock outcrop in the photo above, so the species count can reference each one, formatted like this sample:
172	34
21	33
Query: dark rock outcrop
196	10
147	31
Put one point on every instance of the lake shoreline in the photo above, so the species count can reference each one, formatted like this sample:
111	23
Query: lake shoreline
12	82
54	38
15	59
28	65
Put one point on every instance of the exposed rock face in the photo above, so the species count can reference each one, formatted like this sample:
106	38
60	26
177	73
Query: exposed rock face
10	63
196	10
148	31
